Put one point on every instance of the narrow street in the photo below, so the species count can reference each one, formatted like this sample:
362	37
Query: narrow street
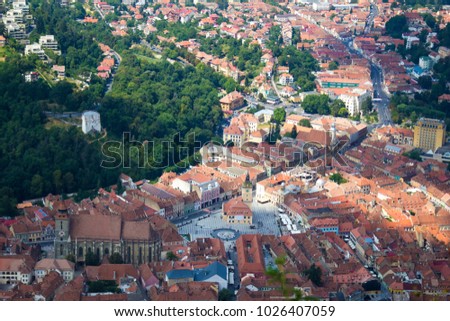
381	99
111	81
117	57
274	85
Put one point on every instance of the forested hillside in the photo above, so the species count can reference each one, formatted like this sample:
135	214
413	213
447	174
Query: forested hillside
34	160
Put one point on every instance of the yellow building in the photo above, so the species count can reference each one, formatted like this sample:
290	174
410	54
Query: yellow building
232	101
429	134
236	211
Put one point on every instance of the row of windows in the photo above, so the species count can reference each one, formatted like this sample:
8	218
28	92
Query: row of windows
232	221
428	126
7	273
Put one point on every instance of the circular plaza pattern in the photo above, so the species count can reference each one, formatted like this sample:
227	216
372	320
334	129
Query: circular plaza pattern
225	234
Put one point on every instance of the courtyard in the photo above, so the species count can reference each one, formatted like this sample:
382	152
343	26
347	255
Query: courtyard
210	224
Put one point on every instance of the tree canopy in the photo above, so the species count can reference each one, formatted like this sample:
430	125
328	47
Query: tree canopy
279	115
301	65
396	26
225	295
116	258
314	273
337	178
316	104
37	159
305	123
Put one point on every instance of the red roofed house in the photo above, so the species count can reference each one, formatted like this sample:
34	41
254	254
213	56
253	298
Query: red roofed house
250	255
16	269
189	291
125	275
286	79
236	211
234	134
444	98
64	267
60	71
232	101
147	277
206	187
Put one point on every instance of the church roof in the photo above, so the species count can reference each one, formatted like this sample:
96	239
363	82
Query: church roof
108	227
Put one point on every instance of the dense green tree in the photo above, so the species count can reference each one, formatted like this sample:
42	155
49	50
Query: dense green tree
343	112
223	4
305	123
277	276
314	273
396	26
7	202
444	36
37	185
296	36
71	258
92	259
246	56
103	286
78	42
424	104
316	104
337	178
301	65
425	82
275	40
116	258
274	134
279	115
336	107
181	31
333	65
429	20
414	154
366	106
57	180
293	133
423	36
225	295
69	182
39	160
170	256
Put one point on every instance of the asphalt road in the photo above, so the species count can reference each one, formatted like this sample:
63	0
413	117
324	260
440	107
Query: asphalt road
381	98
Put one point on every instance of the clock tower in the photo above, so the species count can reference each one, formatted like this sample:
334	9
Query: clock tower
247	190
62	237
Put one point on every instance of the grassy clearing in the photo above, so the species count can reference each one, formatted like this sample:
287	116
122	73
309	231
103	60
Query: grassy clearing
52	122
147	59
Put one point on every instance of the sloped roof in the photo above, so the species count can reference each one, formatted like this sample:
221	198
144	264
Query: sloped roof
211	270
95	226
138	231
58	264
180	274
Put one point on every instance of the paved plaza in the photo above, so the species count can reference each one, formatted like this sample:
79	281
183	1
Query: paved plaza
204	225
